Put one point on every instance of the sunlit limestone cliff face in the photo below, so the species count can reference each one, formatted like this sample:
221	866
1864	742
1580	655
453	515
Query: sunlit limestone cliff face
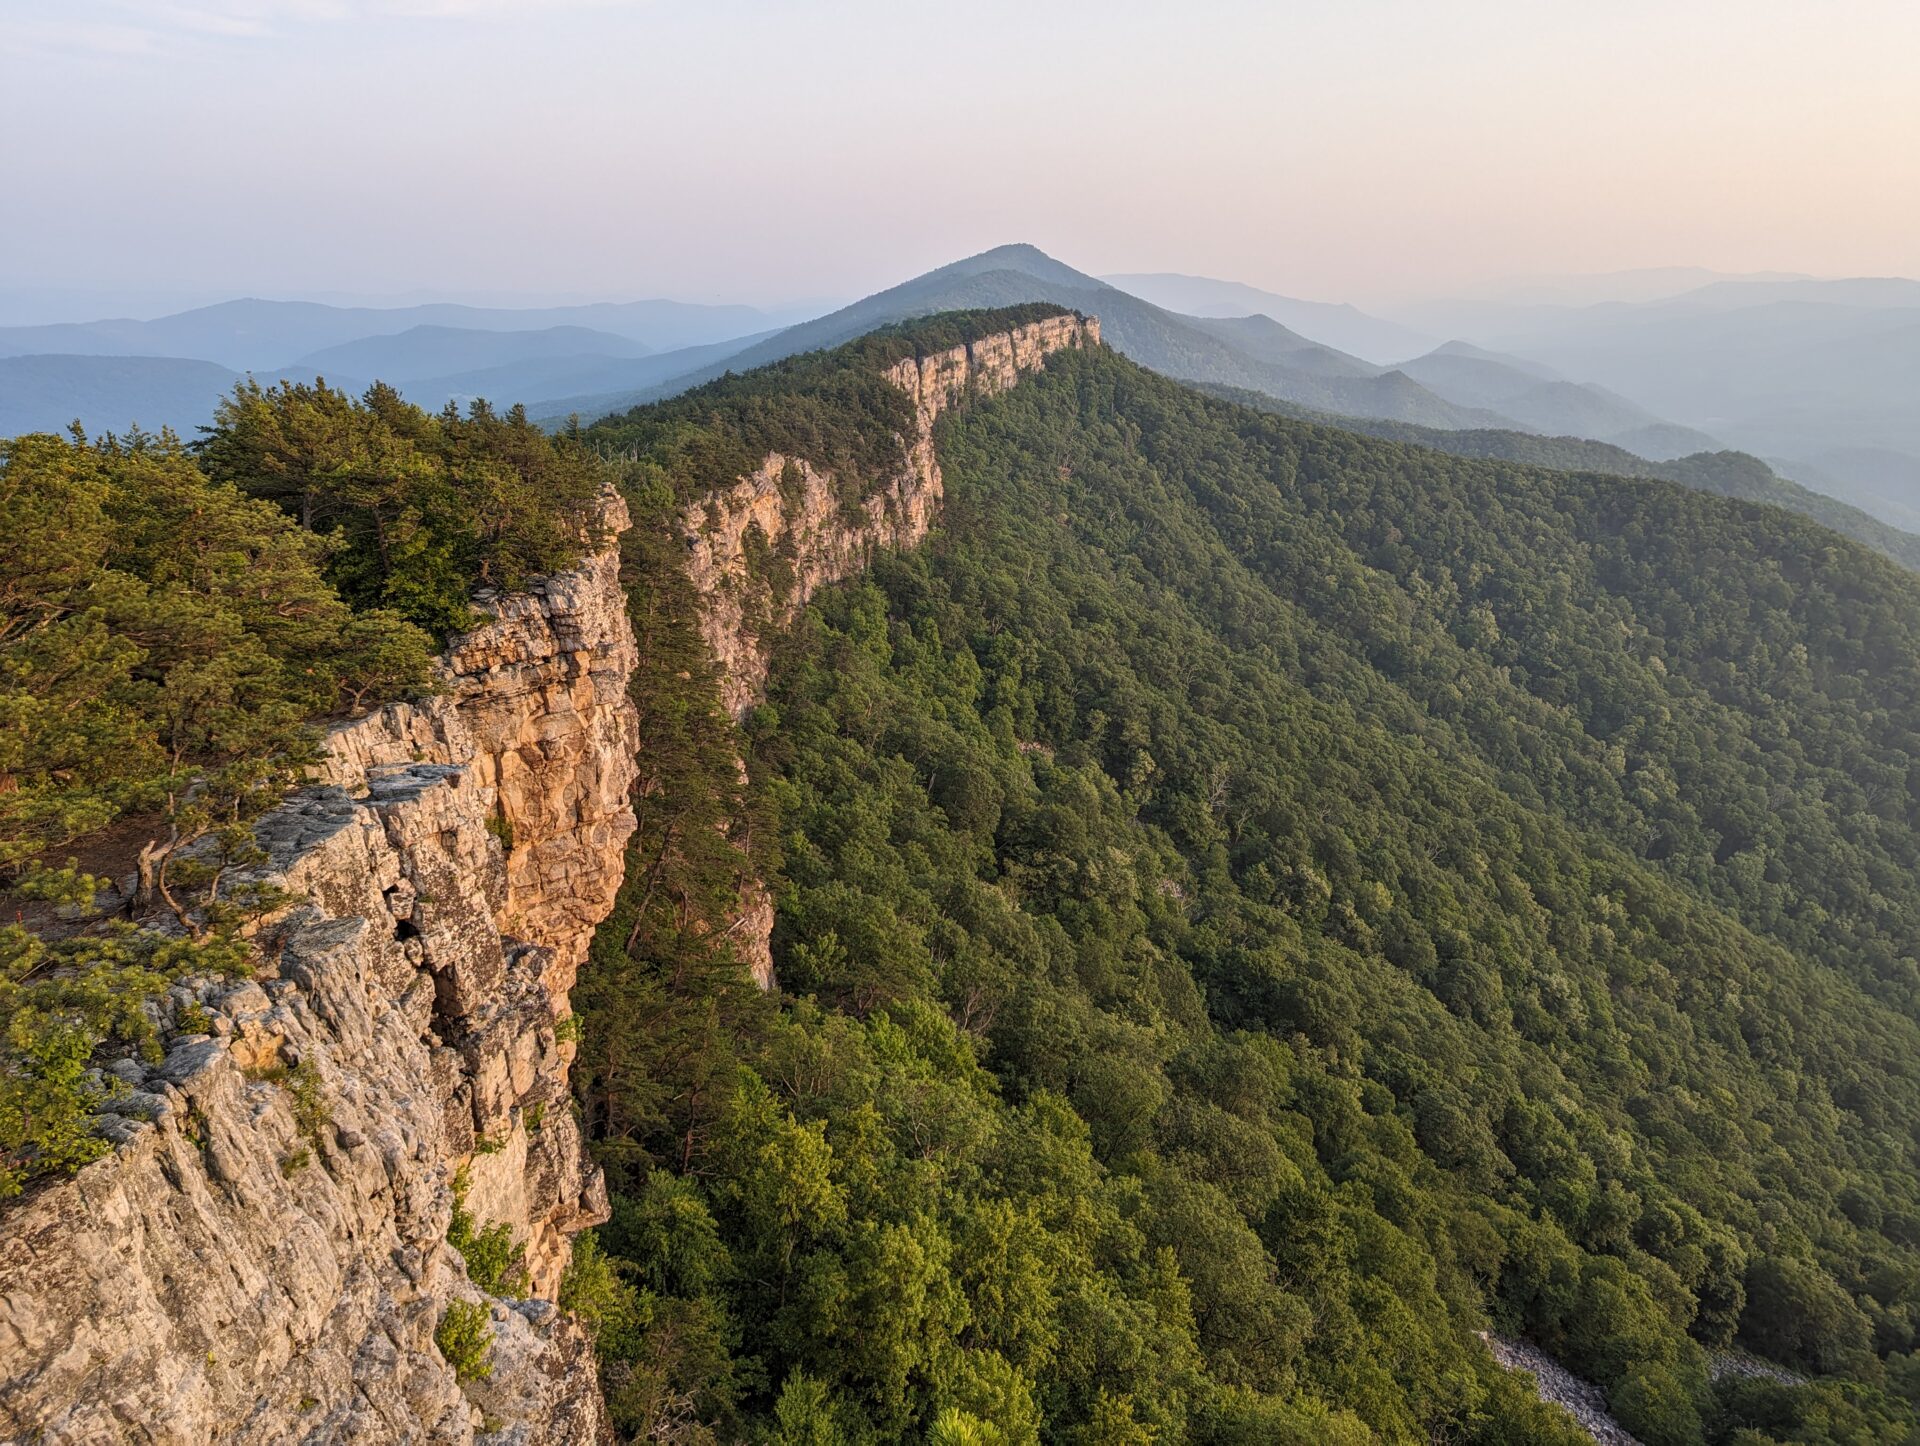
790	510
264	1256
796	512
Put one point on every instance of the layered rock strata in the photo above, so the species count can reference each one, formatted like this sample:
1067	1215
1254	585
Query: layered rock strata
264	1255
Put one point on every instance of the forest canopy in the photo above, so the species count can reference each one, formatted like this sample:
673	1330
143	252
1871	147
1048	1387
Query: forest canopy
1256	906
419	509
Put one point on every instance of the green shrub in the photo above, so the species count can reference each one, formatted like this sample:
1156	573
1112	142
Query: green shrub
494	1262
60	1002
46	1102
465	1338
501	827
596	1289
311	1114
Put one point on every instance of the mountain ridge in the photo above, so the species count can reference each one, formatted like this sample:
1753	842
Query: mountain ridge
1183	347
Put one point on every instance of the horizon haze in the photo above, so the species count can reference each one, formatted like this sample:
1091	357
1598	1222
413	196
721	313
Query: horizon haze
746	152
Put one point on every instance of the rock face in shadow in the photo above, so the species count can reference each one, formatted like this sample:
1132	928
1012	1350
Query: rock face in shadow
759	550
264	1256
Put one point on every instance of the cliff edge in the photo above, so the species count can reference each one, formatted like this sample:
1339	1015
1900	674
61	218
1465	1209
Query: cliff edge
789	509
264	1256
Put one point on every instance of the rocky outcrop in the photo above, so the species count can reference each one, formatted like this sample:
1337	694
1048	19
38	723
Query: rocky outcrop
790	511
264	1256
543	690
759	550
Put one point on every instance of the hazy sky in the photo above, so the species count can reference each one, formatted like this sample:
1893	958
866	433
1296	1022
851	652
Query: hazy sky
1345	149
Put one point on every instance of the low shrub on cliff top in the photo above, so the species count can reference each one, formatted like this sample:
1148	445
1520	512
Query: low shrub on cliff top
419	510
465	1338
494	1262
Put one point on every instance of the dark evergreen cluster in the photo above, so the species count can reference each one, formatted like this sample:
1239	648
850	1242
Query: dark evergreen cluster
419	509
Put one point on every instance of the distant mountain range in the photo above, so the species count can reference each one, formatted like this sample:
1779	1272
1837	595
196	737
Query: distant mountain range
1642	284
1816	376
428	351
1257	353
594	359
1454	386
1541	400
170	372
108	393
1335	324
254	335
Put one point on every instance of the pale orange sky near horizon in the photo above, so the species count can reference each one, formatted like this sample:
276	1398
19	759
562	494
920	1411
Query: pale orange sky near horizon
740	149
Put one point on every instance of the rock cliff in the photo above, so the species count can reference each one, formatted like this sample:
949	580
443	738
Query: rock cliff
264	1256
790	511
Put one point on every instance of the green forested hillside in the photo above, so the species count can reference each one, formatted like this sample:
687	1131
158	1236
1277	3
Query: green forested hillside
1258	905
1730	474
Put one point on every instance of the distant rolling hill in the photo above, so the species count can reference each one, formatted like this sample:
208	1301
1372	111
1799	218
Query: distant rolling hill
1820	375
1542	400
1884	482
560	386
429	351
1267	340
259	335
1725	473
47	393
112	393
